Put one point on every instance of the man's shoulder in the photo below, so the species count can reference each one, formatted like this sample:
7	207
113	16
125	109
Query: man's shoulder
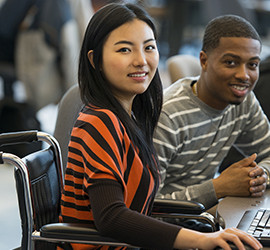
177	99
249	100
178	88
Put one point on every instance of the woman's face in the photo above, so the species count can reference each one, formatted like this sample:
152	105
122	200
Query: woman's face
130	60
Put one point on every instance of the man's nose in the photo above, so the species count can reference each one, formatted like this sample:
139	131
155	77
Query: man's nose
242	73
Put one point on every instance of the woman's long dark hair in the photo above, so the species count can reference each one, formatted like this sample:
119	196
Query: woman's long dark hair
95	90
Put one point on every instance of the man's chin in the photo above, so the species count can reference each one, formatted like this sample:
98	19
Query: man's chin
236	102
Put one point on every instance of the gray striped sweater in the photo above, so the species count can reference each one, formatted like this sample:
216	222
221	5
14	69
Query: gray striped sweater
192	139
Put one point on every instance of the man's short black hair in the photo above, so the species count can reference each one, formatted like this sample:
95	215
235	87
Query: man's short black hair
227	26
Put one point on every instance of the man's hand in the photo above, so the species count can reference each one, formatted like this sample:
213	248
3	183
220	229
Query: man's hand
243	178
257	182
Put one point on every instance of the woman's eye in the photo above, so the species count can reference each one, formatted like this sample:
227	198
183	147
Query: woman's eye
124	50
150	47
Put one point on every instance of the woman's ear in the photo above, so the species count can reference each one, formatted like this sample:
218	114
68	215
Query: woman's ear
90	55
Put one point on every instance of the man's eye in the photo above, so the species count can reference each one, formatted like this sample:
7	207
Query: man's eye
230	62
254	65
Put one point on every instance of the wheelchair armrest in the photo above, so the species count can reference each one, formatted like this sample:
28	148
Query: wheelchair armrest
67	230
75	232
205	221
168	206
18	137
82	233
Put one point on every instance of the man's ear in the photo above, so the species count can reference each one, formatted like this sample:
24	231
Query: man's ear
203	60
90	55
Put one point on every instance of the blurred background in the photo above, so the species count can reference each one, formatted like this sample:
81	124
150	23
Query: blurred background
39	47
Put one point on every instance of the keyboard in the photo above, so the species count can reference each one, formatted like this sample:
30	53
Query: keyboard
257	223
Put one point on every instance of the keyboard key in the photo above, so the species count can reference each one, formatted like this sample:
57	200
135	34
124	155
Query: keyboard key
267	224
257	233
254	223
264	218
265	233
259	214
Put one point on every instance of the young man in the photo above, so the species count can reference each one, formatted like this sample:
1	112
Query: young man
203	117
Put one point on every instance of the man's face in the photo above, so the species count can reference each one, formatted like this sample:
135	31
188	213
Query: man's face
229	72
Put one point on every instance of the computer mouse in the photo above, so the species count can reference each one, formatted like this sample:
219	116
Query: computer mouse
234	247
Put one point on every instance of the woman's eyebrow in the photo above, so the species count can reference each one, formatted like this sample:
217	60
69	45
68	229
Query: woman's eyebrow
150	40
123	42
131	43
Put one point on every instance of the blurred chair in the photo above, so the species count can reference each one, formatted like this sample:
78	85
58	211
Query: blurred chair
39	183
180	66
68	111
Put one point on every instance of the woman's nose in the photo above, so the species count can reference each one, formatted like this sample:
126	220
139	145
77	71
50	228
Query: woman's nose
140	59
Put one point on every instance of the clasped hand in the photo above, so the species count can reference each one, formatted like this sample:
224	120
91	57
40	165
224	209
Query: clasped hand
243	178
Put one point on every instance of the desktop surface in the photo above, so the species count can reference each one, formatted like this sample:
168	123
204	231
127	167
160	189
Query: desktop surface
232	209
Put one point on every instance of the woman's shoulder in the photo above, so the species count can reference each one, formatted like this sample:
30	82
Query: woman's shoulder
99	116
97	113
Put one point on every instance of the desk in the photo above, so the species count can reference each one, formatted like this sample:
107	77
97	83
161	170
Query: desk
231	209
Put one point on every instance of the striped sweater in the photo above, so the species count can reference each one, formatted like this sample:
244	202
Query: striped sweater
107	185
192	139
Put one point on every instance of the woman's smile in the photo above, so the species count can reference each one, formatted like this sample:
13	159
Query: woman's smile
138	76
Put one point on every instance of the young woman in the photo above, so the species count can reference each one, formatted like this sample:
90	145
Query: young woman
112	171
